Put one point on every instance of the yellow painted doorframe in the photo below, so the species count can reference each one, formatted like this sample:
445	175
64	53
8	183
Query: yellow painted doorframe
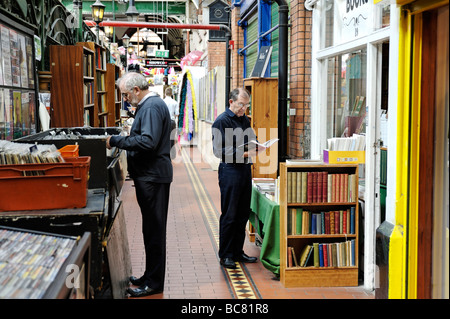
404	241
398	241
403	252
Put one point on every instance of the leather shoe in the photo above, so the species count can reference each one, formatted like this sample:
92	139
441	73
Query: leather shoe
247	259
228	263
143	291
137	281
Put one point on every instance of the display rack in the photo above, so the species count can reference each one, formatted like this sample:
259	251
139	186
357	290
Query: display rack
18	88
318	225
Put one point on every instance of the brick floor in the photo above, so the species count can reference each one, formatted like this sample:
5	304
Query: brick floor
193	270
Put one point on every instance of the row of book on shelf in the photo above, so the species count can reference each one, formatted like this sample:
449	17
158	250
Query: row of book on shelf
100	81
101	59
88	70
339	254
88	93
321	187
302	222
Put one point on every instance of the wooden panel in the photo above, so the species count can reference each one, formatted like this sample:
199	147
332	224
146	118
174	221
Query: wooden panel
426	161
314	277
264	120
67	86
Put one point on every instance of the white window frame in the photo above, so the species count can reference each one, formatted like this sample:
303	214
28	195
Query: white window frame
371	43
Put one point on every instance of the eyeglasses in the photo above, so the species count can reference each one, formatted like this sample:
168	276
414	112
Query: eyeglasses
125	95
241	105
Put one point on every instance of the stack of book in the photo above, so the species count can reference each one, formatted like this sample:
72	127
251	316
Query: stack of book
266	186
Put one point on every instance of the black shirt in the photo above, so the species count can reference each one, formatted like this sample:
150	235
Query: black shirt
229	132
148	146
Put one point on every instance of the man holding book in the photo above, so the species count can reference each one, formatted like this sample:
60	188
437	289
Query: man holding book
230	132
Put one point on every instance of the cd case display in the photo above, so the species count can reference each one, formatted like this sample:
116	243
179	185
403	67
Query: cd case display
32	264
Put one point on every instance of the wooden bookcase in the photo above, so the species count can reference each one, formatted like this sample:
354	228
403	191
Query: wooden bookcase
263	113
113	95
73	86
100	99
297	211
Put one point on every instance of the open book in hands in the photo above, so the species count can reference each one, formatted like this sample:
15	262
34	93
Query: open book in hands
259	146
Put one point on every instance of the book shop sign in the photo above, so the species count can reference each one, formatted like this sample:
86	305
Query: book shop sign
354	18
162	53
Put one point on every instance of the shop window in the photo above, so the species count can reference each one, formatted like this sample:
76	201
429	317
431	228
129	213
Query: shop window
346	94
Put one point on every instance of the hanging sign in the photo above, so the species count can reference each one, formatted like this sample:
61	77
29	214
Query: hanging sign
354	18
162	53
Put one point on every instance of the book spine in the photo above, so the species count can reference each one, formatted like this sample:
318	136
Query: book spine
319	187
314	187
299	213
304	186
314	224
352	221
324	187
316	254
321	263
310	188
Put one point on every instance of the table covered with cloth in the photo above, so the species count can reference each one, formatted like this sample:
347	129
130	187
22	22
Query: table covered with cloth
265	217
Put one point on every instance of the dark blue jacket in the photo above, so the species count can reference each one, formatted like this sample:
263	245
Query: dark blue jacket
148	145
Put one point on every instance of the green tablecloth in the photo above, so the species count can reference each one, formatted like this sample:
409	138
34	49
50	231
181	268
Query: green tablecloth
265	217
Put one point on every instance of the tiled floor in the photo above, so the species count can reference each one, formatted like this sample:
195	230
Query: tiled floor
193	270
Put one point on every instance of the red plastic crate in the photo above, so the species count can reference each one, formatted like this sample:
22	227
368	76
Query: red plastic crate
59	185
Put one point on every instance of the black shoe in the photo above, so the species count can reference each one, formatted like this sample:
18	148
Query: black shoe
137	281
246	259
143	291
228	263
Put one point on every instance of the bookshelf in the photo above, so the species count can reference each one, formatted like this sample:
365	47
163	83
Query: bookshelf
113	96
263	114
323	214
100	73
73	87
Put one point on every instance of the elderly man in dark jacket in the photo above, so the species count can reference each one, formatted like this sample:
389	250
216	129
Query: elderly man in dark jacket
150	167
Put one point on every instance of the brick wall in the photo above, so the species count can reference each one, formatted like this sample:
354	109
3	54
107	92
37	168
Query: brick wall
237	61
300	80
216	54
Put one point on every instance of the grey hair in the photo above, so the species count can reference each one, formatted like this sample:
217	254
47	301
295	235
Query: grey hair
133	79
234	95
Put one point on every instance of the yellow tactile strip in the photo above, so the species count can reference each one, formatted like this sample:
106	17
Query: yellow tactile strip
240	282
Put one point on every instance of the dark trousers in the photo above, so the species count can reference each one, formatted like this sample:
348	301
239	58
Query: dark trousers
235	183
153	199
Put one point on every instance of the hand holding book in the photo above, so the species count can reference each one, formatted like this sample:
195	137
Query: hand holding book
253	144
